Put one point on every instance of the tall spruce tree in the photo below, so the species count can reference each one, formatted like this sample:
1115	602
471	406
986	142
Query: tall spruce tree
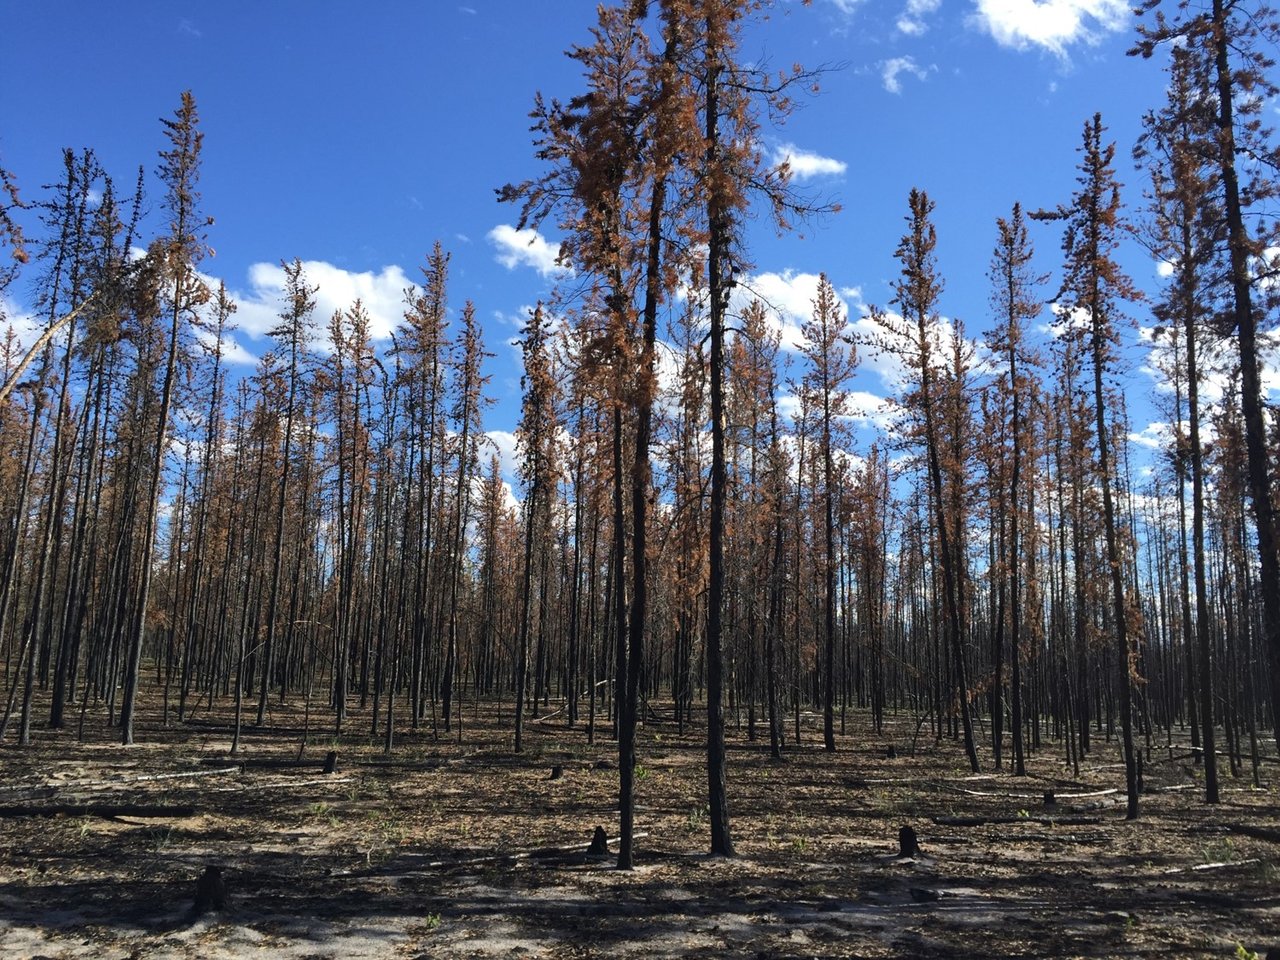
1094	287
175	258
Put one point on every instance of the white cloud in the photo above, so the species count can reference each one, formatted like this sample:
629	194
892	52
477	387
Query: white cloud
870	409
1155	436
804	164
891	69
1050	24
846	6
233	351
1269	361
885	363
382	294
890	367
26	325
504	442
789	298
912	20
525	248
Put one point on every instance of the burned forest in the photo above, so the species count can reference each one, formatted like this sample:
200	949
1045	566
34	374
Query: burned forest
872	632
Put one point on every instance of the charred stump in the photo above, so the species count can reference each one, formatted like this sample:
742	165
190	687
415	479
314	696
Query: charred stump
907	845
599	844
211	892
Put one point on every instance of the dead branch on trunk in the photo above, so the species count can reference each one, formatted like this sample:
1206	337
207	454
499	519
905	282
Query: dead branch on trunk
41	342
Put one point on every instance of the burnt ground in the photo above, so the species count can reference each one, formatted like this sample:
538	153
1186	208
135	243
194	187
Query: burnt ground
468	850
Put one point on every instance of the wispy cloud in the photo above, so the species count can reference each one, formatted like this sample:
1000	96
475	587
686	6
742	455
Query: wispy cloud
525	248
804	164
912	21
1051	25
890	70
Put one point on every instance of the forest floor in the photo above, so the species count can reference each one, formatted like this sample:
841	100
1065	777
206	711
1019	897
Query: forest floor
464	849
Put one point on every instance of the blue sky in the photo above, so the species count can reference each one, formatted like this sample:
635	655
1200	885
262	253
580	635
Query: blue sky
355	136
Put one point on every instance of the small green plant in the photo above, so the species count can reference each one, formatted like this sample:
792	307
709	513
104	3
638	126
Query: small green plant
642	772
799	844
1222	852
321	810
159	837
1244	953
433	921
389	829
696	818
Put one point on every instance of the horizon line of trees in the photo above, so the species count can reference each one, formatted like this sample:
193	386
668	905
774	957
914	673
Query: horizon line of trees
331	529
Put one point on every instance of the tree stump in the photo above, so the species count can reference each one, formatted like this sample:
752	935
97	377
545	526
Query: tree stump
1049	799
907	845
599	844
211	892
557	772
890	753
331	762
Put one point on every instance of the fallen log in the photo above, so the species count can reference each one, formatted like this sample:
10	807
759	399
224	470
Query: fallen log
165	776
1083	840
391	763
285	784
275	763
1092	793
1201	867
575	848
49	791
107	811
996	821
1244	829
30	793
